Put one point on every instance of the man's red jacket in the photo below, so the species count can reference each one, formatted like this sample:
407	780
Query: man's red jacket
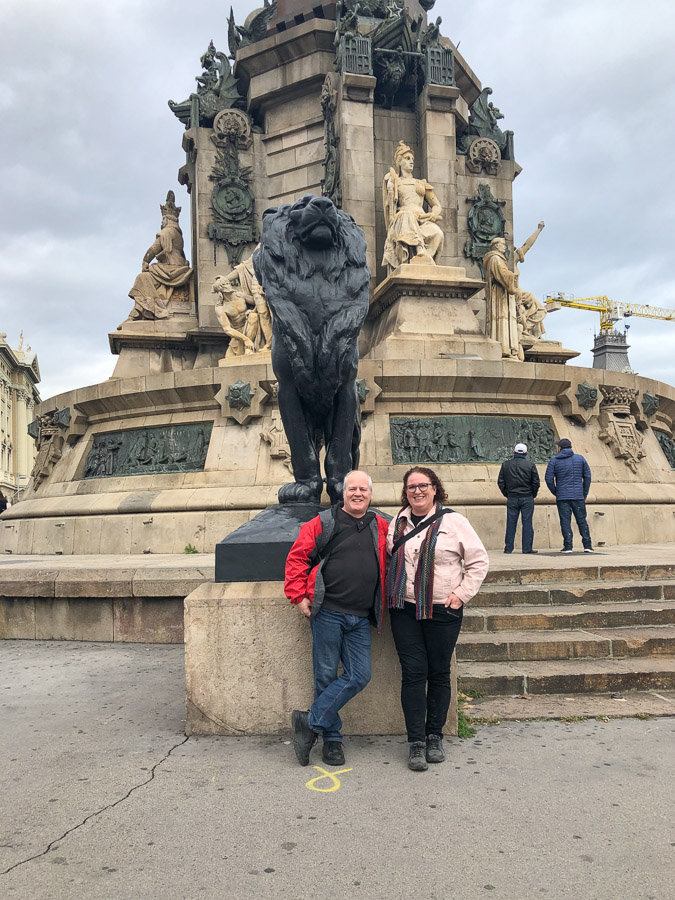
304	565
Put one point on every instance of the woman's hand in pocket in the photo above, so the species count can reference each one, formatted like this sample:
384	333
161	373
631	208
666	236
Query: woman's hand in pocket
453	602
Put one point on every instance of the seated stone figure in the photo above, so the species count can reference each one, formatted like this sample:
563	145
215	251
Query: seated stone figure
242	311
154	287
412	233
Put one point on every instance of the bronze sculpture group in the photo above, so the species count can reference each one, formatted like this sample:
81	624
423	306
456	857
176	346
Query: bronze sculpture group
304	295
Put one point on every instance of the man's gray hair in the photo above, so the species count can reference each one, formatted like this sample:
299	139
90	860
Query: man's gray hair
359	472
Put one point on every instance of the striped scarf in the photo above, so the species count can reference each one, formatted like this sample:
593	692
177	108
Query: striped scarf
424	576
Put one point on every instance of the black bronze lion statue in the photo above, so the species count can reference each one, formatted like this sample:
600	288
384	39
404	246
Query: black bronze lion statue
311	265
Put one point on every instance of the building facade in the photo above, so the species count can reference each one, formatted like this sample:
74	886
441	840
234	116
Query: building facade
19	376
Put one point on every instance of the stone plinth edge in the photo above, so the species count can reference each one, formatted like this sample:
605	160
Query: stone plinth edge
248	664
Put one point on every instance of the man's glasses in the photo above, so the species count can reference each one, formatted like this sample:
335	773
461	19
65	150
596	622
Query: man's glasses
424	487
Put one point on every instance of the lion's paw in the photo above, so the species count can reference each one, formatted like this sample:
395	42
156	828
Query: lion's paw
301	492
334	487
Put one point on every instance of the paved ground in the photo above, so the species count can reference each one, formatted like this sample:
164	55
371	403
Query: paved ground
102	796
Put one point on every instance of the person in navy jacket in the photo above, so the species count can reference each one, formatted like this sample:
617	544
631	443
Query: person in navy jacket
568	478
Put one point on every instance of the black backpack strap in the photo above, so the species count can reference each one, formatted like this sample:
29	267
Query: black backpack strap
418	528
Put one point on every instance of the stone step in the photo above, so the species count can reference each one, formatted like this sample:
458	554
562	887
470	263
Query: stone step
564	645
602	615
578	567
575	592
569	708
570	676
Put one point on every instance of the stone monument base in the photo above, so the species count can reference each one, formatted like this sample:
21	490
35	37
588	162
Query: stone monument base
423	312
248	664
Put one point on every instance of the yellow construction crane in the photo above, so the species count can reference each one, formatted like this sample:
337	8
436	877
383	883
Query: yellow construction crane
610	311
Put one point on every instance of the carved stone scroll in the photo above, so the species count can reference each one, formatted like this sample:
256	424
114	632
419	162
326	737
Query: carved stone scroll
483	155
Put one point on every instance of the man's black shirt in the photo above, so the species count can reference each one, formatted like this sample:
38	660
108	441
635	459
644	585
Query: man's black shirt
351	572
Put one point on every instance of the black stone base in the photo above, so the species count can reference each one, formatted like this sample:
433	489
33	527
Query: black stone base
257	551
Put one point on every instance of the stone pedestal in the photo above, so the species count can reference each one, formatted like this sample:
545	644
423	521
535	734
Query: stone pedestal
248	664
544	351
422	311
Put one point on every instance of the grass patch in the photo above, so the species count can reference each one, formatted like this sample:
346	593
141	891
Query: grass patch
570	720
190	549
464	730
642	716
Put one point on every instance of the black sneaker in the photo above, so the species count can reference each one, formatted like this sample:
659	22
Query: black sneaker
530	551
333	753
567	550
303	736
589	550
417	759
435	752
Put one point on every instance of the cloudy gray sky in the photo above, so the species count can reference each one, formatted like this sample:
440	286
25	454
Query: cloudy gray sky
89	148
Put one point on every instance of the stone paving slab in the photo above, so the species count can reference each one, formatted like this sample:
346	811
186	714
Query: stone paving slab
562	706
102	796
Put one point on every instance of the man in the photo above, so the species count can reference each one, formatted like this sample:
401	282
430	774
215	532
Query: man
519	482
335	576
568	477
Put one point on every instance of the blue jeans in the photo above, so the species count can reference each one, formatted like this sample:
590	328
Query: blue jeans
565	510
516	506
337	637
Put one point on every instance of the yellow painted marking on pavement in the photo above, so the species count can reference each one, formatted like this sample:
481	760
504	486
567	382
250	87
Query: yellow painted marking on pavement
335	782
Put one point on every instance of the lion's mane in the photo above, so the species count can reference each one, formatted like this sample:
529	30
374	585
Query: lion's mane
288	269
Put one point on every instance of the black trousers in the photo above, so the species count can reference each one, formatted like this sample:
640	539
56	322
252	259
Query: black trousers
425	648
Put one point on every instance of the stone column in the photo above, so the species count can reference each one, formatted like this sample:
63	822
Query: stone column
439	106
357	154
30	452
22	465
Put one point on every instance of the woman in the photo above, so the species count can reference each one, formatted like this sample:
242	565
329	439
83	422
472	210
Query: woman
412	233
438	563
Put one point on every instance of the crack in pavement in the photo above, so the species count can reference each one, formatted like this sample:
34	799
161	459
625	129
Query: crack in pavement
56	841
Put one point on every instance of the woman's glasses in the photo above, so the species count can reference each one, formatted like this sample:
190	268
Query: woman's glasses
424	487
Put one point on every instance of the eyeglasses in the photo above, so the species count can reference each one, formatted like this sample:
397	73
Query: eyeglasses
424	487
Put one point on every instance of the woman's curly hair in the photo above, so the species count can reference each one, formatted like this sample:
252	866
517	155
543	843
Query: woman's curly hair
441	495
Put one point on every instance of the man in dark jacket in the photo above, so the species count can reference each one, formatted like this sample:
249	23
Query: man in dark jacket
335	576
568	477
519	482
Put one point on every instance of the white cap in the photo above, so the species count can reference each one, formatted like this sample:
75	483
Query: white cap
520	448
